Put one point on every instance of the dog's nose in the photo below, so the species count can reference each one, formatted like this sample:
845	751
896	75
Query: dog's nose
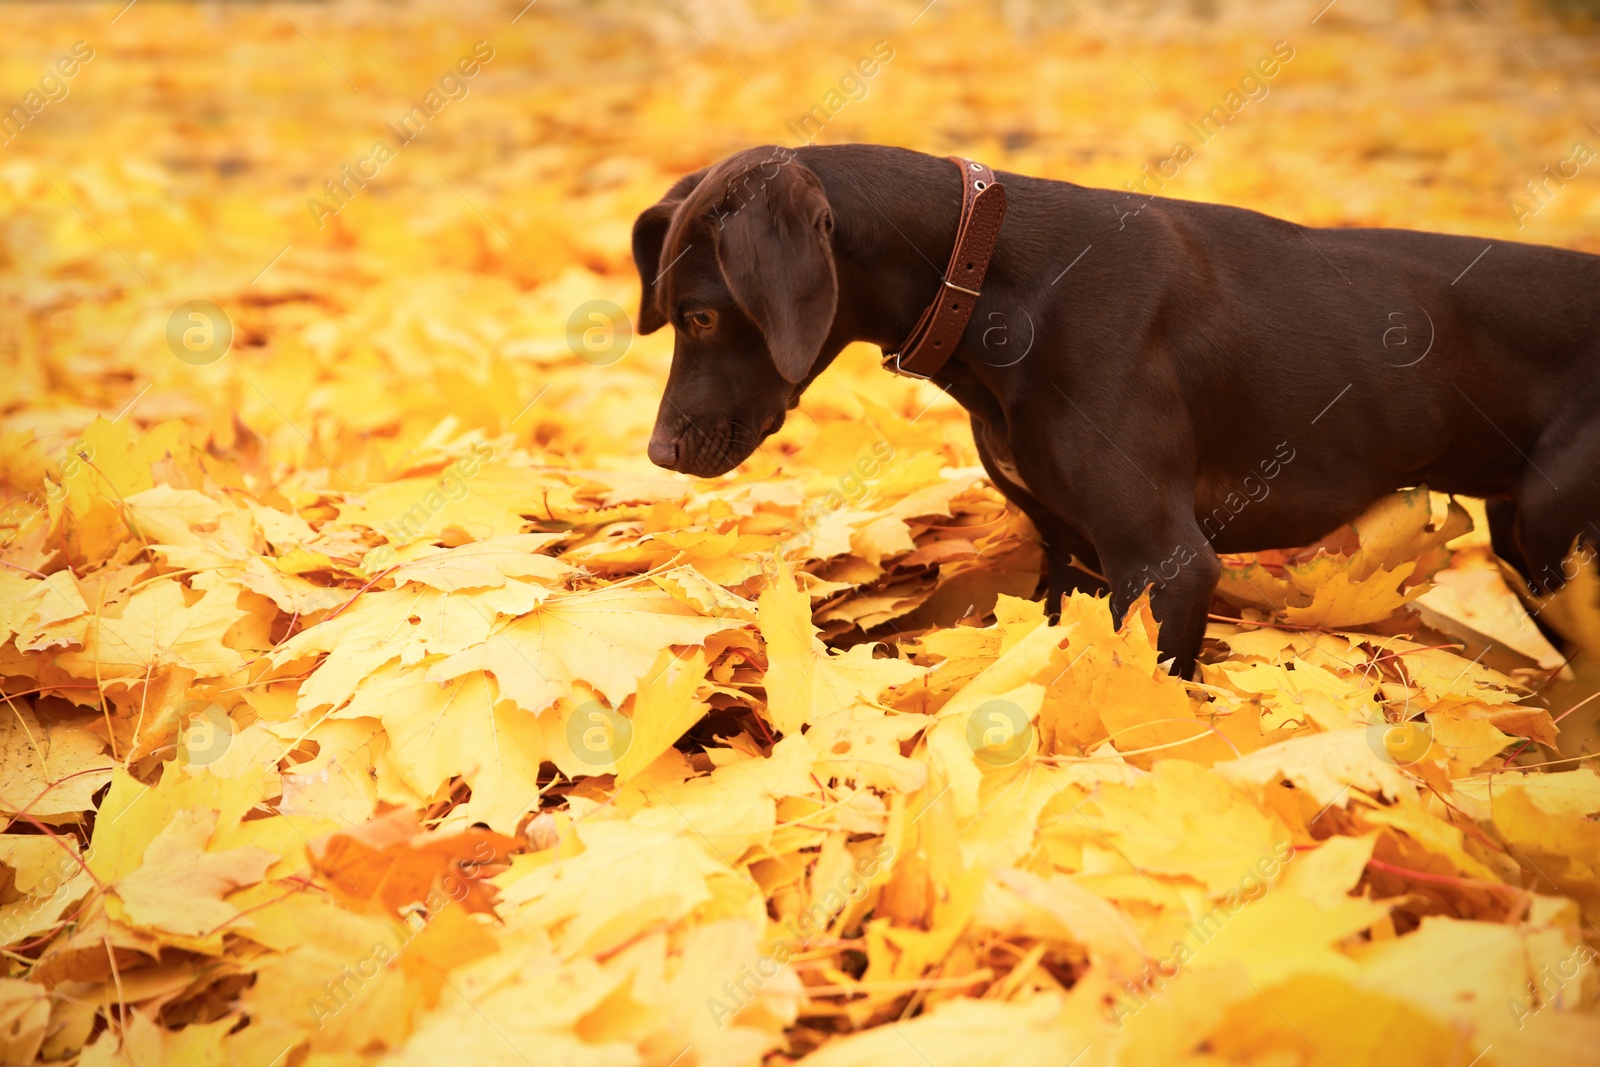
663	451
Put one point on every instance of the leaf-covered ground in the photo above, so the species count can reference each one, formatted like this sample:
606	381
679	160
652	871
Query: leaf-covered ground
370	698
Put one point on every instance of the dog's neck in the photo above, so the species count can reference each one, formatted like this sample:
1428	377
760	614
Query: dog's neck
896	216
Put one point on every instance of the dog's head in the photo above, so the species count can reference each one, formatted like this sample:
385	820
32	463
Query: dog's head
738	258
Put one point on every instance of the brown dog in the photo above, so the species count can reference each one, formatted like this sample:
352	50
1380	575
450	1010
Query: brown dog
1159	361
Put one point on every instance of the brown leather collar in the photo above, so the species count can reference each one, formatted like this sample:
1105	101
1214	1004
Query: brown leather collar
933	340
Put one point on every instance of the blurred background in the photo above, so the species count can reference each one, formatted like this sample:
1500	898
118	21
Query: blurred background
187	158
398	249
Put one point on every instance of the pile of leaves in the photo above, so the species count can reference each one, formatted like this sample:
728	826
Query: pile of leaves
369	697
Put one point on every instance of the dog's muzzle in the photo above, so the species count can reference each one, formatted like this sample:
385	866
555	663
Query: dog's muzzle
707	447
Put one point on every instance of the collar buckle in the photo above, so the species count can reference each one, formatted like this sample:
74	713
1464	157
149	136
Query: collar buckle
891	363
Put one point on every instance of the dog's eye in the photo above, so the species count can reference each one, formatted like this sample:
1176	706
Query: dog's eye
701	320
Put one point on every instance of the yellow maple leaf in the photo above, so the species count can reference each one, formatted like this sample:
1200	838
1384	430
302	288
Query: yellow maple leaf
1038	1031
404	625
484	505
180	886
1398	547
486	564
459	726
1327	766
806	681
143	1040
24	1018
606	639
333	982
160	625
663	709
1183	820
49	770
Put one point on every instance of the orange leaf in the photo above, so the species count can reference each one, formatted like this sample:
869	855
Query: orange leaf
389	862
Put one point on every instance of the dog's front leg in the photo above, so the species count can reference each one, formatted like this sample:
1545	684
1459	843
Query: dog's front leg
1144	540
1169	555
1071	563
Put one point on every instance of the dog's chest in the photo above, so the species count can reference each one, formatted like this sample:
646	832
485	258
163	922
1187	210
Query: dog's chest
996	449
1009	469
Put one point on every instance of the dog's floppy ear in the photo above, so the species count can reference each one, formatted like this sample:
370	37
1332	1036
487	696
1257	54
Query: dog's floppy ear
776	253
649	234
